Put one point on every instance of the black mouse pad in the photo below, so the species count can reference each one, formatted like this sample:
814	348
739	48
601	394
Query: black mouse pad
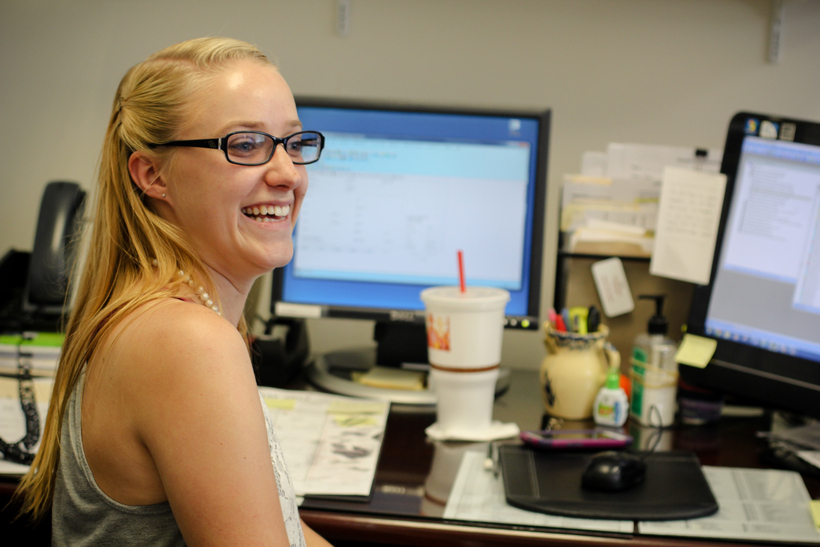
550	482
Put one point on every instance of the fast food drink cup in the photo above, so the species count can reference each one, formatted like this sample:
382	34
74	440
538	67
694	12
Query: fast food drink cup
464	336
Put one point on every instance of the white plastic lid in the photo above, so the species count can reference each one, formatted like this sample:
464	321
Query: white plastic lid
474	298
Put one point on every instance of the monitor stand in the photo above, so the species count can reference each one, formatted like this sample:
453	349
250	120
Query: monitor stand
332	372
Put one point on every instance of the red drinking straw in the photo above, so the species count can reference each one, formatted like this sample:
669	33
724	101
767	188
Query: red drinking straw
461	271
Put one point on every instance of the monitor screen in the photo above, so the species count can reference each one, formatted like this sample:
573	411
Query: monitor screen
398	191
763	302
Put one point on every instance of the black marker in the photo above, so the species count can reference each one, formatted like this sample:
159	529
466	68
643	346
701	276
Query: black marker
593	319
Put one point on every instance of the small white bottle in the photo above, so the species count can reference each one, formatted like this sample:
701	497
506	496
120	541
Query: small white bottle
654	371
611	404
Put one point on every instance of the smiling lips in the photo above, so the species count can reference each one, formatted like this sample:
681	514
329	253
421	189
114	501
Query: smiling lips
266	213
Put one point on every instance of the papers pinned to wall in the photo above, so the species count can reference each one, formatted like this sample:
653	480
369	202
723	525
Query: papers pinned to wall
688	220
612	207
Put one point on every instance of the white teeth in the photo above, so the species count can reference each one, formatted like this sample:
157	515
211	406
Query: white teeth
260	213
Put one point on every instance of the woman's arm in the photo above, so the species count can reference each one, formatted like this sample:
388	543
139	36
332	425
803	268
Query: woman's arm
196	408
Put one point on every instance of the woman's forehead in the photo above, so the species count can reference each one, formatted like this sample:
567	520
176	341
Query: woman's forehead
244	93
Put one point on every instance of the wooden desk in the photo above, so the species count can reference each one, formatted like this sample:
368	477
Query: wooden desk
402	511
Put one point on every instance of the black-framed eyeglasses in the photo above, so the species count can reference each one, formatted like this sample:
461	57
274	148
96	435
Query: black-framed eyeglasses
257	148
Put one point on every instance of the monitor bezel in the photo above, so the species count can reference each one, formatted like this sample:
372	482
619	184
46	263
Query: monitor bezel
754	374
528	321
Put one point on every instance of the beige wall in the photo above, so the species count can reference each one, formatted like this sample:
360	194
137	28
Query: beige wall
649	71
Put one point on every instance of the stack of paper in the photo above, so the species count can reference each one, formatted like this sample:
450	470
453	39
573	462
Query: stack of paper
612	206
42	349
331	443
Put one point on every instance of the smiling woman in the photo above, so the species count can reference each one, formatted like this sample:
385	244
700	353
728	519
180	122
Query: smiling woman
156	433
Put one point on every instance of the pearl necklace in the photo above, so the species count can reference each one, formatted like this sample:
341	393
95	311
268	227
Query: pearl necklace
204	297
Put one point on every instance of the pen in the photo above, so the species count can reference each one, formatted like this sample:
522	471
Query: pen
578	318
553	317
593	319
565	318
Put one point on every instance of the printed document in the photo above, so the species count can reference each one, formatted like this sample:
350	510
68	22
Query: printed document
331	443
755	505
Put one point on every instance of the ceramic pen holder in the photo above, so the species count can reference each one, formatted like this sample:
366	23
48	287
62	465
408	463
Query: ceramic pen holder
574	369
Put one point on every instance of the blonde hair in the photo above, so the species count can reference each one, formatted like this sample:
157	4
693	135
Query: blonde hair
134	253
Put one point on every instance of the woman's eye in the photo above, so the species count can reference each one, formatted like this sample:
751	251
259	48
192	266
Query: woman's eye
245	145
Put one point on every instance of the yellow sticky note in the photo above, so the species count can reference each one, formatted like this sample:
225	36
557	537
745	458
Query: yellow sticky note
814	506
280	404
696	351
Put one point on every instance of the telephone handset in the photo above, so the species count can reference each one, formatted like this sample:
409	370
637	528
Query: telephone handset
57	227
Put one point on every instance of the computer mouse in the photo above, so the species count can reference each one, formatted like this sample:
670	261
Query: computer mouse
613	471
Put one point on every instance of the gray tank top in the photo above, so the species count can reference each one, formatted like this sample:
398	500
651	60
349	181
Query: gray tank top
83	514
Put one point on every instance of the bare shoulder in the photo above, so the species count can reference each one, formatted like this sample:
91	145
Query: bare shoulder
188	394
176	357
179	341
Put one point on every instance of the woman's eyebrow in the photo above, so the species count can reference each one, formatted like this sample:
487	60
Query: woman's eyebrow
255	125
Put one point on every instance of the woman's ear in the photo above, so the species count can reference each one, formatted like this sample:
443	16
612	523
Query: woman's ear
145	173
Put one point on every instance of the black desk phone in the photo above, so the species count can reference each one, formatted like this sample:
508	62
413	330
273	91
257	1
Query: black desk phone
33	286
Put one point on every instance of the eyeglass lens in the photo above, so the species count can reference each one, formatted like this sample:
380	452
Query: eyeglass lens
251	148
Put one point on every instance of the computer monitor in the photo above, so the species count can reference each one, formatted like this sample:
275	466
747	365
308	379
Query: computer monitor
762	304
399	190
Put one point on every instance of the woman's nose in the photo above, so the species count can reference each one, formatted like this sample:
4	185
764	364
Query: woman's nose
281	170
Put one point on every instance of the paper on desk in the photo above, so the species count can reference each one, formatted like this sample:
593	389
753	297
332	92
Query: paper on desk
478	495
331	443
809	456
805	436
755	505
12	419
688	219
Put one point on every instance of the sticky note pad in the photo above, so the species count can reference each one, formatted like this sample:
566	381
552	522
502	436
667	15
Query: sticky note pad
392	378
814	506
696	351
280	404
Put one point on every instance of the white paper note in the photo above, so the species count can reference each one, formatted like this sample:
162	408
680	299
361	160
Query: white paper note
755	505
688	219
613	288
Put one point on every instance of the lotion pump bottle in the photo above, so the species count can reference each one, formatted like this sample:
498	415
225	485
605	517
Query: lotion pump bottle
611	405
654	371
